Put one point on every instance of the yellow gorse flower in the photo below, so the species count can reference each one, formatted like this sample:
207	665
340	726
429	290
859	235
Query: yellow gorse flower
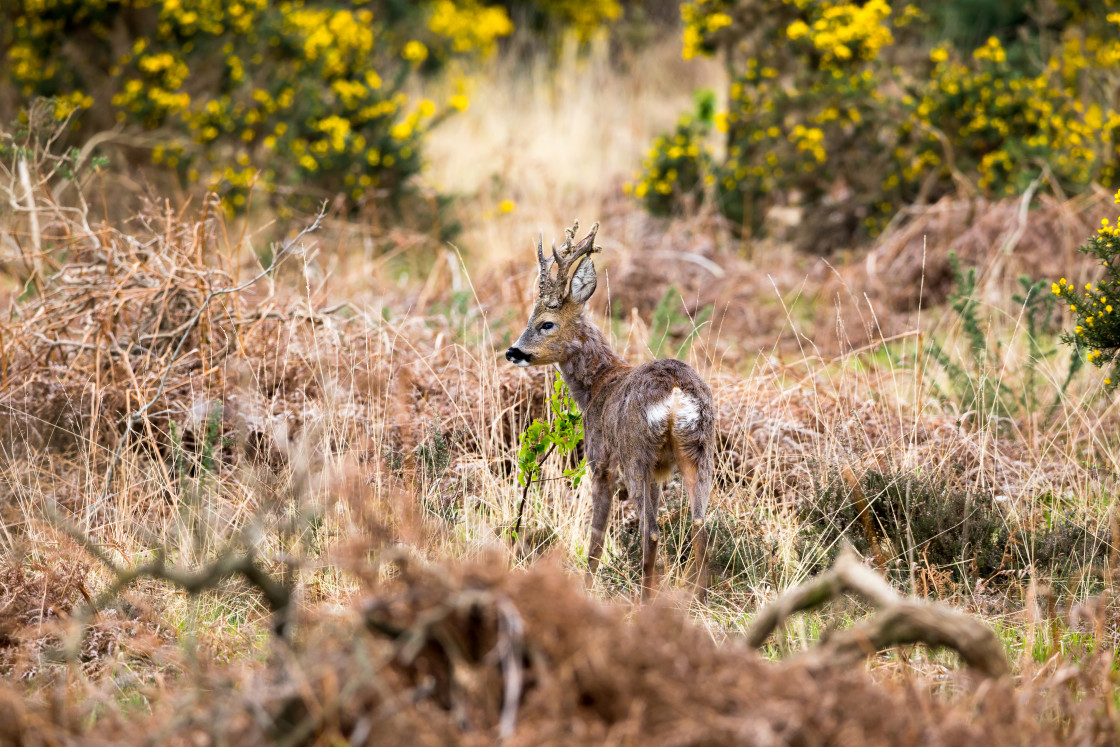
997	117
302	81
469	26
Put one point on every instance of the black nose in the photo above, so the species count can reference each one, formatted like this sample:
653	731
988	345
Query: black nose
513	355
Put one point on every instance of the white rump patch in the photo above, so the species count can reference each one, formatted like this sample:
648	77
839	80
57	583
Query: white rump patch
657	413
679	405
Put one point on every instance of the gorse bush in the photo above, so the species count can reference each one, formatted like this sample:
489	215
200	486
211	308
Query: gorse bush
679	164
305	99
310	91
582	17
803	102
1005	124
1097	305
835	107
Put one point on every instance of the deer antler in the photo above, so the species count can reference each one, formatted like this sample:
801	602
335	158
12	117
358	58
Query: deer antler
554	289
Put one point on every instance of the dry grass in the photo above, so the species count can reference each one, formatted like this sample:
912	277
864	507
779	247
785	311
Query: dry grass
348	421
434	666
559	136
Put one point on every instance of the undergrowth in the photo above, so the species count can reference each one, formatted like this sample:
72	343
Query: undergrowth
976	376
928	528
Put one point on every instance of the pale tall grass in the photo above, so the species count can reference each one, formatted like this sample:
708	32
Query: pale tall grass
557	132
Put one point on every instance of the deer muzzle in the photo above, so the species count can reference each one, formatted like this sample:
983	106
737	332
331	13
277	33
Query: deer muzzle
518	357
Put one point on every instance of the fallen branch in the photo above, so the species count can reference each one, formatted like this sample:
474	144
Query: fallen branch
434	627
899	621
907	622
230	562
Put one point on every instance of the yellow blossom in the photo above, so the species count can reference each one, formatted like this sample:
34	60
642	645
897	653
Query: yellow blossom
415	52
401	130
797	29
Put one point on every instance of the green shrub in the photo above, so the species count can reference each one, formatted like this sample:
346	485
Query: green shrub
1005	124
1098	325
844	109
303	98
563	431
804	108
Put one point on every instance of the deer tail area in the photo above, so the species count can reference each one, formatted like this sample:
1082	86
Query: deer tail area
677	412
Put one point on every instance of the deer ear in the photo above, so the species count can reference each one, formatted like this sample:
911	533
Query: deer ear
583	281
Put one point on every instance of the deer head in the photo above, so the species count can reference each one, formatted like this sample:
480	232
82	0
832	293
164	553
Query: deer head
565	283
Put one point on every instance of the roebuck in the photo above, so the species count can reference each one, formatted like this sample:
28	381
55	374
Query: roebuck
638	422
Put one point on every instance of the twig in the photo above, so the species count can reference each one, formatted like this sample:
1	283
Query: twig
696	259
229	563
32	209
510	649
64	343
525	492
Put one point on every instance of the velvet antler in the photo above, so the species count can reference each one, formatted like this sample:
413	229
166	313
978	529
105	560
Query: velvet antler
554	287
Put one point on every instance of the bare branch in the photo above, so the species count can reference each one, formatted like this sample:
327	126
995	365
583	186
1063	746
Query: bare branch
845	576
230	562
900	621
141	413
913	621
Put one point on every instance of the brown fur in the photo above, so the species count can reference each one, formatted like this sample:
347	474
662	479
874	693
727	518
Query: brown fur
621	436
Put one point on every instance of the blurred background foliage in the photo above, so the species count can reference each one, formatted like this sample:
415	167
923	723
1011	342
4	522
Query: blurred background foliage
304	99
852	110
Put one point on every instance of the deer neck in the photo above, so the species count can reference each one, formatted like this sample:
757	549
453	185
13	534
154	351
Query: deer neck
588	362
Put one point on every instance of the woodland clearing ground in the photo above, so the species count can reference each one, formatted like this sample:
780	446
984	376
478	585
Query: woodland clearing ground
392	423
406	395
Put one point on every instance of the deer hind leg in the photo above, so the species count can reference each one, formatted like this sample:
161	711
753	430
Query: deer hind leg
647	495
696	473
600	513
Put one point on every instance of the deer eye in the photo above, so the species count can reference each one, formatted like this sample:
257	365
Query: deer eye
547	326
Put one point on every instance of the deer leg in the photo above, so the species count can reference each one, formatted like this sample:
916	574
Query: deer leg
697	477
648	496
600	513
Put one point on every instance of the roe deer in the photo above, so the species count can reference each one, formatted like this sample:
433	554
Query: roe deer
637	422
